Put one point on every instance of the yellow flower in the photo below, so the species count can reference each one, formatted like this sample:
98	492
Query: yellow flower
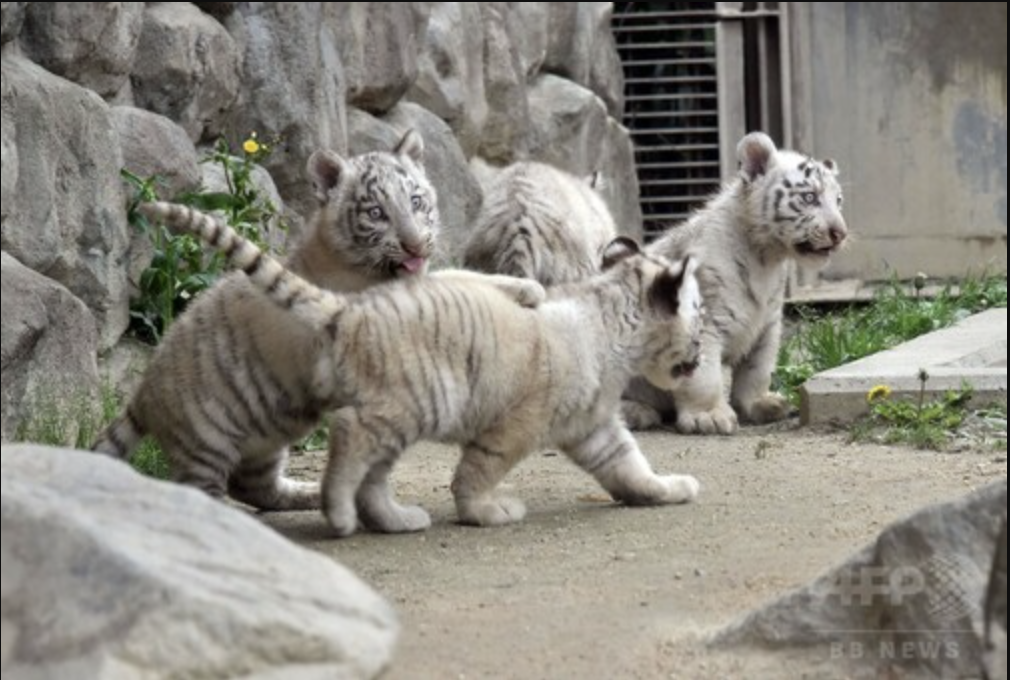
251	146
878	393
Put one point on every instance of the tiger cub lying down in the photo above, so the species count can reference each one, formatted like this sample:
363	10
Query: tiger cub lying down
450	357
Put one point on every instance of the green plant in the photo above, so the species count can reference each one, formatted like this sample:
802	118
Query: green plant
180	269
919	423
77	421
896	314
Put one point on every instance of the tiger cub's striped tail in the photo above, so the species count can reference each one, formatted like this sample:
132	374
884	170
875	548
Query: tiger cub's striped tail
313	305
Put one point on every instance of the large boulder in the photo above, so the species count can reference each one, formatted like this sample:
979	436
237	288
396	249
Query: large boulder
90	43
12	18
572	130
450	79
188	69
63	204
996	632
582	48
379	45
459	194
155	146
503	137
293	91
913	600
47	352
107	574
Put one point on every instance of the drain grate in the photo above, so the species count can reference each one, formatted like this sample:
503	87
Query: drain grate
669	54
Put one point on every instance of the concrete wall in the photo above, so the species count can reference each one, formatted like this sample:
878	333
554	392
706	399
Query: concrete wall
911	98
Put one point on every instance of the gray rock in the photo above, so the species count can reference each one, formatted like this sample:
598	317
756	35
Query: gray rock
154	145
123	366
107	574
293	91
90	43
63	202
572	130
48	350
214	180
12	18
530	23
450	79
913	599
459	194
188	69
379	45
504	136
582	48
366	133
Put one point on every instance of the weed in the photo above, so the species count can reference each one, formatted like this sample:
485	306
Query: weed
919	423
180	269
896	315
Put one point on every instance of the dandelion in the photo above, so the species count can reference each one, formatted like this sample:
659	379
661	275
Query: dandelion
878	393
251	146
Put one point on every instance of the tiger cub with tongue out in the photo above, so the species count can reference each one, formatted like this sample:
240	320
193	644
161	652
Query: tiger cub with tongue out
228	389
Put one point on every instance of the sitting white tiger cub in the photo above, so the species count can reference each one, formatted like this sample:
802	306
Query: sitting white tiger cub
782	206
540	222
450	357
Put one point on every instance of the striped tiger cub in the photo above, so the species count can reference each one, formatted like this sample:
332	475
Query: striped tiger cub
450	357
542	223
783	207
230	386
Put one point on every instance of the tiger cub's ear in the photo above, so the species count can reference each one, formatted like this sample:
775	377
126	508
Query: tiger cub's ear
327	170
755	153
411	145
618	250
675	291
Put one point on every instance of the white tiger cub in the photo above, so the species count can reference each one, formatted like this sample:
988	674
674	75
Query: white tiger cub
540	222
228	389
782	206
449	357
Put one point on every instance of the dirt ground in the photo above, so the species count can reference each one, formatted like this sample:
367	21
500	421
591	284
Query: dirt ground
587	589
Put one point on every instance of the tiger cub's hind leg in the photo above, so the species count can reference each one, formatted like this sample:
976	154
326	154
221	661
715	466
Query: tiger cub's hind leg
200	464
479	472
613	457
259	481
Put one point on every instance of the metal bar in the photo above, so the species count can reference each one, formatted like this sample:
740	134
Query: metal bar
675	182
686	14
652	115
672	80
682	148
666	46
689	165
671	62
675	131
619	29
702	96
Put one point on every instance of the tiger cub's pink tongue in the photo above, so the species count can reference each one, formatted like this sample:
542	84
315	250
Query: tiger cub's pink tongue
413	265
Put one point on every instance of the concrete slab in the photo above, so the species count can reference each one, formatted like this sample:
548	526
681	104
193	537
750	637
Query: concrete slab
973	352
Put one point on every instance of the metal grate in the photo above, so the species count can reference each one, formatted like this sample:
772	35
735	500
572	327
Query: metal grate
669	54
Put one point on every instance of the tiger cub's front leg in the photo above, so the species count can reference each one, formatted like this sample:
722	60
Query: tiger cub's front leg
752	396
613	457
